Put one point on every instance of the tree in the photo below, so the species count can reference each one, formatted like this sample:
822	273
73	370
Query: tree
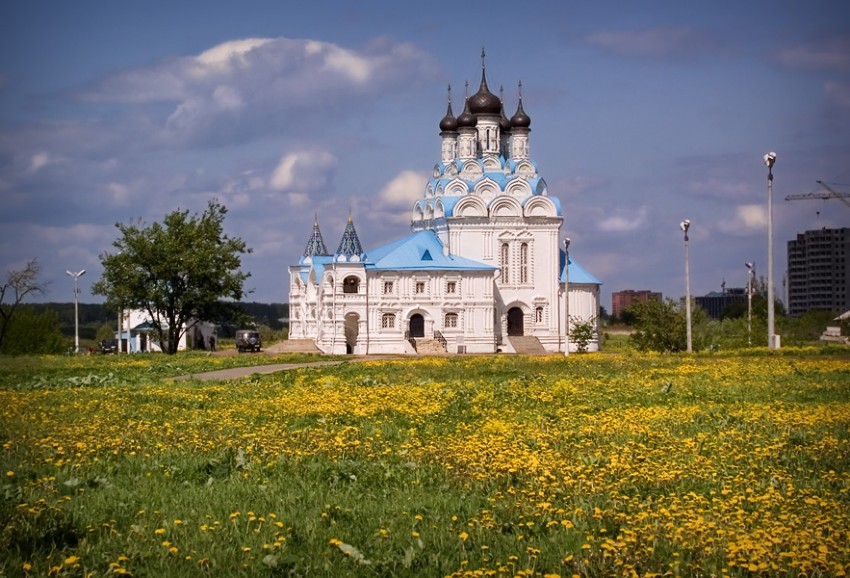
18	285
34	332
178	272
582	332
660	326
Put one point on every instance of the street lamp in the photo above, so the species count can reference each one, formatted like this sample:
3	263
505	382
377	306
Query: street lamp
772	338
567	293
685	225
76	276
751	271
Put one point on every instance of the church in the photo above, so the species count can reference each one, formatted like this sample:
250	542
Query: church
483	270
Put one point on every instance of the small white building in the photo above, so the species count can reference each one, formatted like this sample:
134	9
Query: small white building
484	265
138	335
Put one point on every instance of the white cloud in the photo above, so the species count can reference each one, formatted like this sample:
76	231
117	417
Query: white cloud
227	97
652	42
747	219
829	54
303	171
620	223
264	85
298	199
404	189
357	68
224	55
711	187
120	192
38	160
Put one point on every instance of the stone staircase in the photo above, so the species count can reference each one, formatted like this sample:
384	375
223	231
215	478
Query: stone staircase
527	345
293	346
429	347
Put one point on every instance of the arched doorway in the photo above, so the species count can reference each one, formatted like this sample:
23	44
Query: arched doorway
417	325
352	329
515	321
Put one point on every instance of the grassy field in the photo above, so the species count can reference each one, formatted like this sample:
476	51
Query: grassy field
592	465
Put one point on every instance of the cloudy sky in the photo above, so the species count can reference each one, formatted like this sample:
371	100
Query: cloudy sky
641	117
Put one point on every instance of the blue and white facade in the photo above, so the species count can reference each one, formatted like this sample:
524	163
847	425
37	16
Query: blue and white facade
484	262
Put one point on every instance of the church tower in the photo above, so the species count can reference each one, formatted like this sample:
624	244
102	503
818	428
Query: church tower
489	204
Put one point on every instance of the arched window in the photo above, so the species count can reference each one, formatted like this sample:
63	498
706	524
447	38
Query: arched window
351	285
388	320
523	263
538	315
451	321
504	259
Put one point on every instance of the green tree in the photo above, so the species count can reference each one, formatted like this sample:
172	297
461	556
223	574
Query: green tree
18	285
582	332
178	272
662	326
33	332
105	332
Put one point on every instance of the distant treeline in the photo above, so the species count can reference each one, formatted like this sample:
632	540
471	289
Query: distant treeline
94	315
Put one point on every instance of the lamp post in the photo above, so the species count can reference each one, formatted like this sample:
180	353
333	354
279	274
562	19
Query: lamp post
685	225
772	340
751	271
567	294
76	276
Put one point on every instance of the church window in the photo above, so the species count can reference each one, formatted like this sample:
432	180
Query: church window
451	320
420	287
451	287
351	285
388	320
538	315
388	287
523	263
505	262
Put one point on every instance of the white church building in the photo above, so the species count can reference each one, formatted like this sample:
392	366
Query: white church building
484	269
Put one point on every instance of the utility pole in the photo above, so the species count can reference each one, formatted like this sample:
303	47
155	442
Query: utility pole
772	339
76	276
685	225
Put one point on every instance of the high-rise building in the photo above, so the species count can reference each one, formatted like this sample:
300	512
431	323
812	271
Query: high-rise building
715	302
819	271
622	300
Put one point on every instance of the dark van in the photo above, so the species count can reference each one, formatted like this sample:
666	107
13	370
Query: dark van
248	340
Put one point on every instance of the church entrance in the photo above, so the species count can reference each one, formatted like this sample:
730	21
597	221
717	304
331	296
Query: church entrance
515	320
417	326
352	329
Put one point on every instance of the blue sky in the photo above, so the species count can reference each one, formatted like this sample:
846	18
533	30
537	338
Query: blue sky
643	114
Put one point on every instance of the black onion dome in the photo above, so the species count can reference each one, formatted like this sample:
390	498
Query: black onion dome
449	122
466	118
520	119
484	101
504	123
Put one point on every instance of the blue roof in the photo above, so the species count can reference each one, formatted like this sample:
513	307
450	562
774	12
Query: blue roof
422	250
449	204
319	262
578	274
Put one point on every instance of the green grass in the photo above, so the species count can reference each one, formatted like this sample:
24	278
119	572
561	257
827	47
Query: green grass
593	465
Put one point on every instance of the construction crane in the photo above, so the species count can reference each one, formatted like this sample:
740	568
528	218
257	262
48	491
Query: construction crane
830	193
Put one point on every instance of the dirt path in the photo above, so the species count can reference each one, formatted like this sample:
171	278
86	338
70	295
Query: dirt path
239	372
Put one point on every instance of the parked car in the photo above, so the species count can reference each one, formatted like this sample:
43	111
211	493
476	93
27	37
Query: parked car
248	340
109	346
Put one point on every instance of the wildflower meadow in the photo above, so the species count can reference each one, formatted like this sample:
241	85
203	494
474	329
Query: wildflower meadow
590	465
